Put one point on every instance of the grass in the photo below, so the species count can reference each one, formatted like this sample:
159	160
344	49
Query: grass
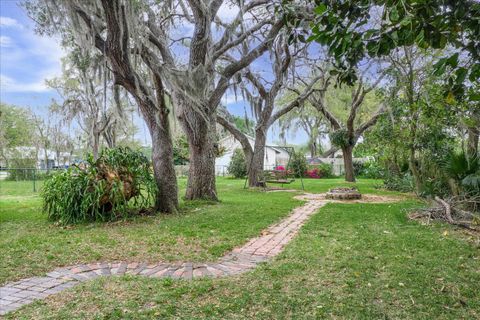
30	245
350	261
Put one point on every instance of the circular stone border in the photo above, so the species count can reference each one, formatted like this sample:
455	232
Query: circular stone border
343	193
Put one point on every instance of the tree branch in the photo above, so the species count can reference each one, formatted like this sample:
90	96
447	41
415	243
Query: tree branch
237	134
299	100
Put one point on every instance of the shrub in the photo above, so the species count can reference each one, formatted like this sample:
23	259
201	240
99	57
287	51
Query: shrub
323	170
238	166
403	183
369	170
358	168
100	190
298	164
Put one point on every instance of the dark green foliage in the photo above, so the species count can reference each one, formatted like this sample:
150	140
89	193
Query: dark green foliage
457	165
298	164
327	170
472	183
100	190
244	124
180	151
340	138
402	183
238	165
463	172
370	170
352	33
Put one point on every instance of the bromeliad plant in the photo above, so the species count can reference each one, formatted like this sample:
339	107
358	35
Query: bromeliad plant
102	190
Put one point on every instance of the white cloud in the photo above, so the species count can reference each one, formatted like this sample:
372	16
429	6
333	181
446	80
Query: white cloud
27	62
231	99
8	84
5	42
10	22
227	12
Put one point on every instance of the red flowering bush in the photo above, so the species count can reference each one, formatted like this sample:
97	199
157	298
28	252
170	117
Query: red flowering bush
314	173
323	170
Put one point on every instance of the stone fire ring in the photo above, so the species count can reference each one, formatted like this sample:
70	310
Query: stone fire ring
343	194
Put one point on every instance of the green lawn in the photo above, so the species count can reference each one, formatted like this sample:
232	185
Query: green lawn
350	261
31	245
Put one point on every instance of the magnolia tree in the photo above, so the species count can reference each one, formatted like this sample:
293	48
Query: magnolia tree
152	62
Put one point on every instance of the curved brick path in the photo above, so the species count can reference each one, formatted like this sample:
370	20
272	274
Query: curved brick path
259	249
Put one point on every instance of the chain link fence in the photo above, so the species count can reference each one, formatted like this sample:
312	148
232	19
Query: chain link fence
26	176
31	179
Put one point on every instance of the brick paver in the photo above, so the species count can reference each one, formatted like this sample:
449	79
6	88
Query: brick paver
239	260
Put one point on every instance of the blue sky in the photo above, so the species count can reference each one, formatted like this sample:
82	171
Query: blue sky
27	59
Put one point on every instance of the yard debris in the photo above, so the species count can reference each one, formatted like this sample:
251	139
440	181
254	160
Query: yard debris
462	211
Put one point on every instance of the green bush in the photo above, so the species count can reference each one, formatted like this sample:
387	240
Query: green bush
322	170
402	183
238	166
369	170
298	164
101	190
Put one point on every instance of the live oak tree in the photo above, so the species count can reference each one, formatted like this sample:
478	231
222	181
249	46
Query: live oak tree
140	40
261	95
103	27
345	134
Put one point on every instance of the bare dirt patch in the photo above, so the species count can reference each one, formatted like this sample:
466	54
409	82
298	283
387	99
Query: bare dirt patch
366	198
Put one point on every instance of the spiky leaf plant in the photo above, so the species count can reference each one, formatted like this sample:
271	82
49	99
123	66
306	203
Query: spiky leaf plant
102	190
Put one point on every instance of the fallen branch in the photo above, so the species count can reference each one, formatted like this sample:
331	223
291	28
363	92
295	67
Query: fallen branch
459	211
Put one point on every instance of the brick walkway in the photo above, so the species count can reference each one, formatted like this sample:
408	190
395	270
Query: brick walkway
269	244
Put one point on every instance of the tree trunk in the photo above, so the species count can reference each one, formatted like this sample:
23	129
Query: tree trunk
58	158
472	144
201	174
411	159
46	161
348	163
256	167
414	170
157	118
200	131
313	148
95	144
166	199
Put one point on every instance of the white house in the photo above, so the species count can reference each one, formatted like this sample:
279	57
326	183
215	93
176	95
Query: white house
274	155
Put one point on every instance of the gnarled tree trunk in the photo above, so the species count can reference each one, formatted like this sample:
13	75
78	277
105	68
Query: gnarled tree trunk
201	175
166	199
200	131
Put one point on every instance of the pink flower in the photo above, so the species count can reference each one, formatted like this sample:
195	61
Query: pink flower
280	168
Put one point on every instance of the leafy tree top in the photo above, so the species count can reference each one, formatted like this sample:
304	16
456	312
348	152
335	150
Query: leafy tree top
353	30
